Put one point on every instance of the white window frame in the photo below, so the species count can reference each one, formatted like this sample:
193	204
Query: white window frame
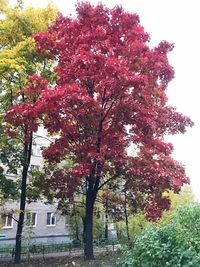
52	214
6	226
30	213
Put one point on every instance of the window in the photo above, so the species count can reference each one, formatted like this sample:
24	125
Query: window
7	221
51	218
31	219
36	150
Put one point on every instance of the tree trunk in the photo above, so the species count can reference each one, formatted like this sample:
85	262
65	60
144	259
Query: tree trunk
88	227
127	226
20	223
106	230
117	230
126	218
21	216
106	223
76	228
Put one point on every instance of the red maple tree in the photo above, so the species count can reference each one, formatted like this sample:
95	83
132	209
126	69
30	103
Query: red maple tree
110	93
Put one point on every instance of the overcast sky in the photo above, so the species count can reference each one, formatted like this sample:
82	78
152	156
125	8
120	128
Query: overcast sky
177	22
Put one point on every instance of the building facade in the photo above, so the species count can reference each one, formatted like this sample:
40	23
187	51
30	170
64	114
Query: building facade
43	224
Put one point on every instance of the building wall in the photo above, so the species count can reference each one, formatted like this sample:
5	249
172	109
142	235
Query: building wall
41	232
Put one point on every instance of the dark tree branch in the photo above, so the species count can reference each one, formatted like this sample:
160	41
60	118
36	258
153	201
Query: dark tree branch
108	180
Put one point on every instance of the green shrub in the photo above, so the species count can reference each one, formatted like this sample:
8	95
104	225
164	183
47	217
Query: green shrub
174	244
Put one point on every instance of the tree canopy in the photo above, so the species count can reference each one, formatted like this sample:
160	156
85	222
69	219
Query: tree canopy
109	79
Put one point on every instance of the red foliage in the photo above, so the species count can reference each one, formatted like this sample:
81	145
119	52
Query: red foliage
154	207
24	114
108	78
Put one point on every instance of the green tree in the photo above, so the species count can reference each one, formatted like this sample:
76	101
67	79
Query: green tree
18	60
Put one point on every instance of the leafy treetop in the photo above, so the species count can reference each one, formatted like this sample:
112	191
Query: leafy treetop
110	93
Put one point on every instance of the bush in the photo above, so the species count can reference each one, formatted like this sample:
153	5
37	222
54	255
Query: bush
174	244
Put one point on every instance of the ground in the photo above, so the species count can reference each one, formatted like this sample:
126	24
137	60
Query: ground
100	261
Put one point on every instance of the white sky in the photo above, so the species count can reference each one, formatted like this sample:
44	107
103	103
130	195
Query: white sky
177	22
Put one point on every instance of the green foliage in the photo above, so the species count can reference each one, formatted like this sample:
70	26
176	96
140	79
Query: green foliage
23	22
137	223
33	192
98	227
185	197
10	153
8	187
18	58
174	244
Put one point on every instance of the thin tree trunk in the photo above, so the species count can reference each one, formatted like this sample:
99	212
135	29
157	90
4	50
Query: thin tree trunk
117	230
126	218
21	217
106	223
20	223
76	227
